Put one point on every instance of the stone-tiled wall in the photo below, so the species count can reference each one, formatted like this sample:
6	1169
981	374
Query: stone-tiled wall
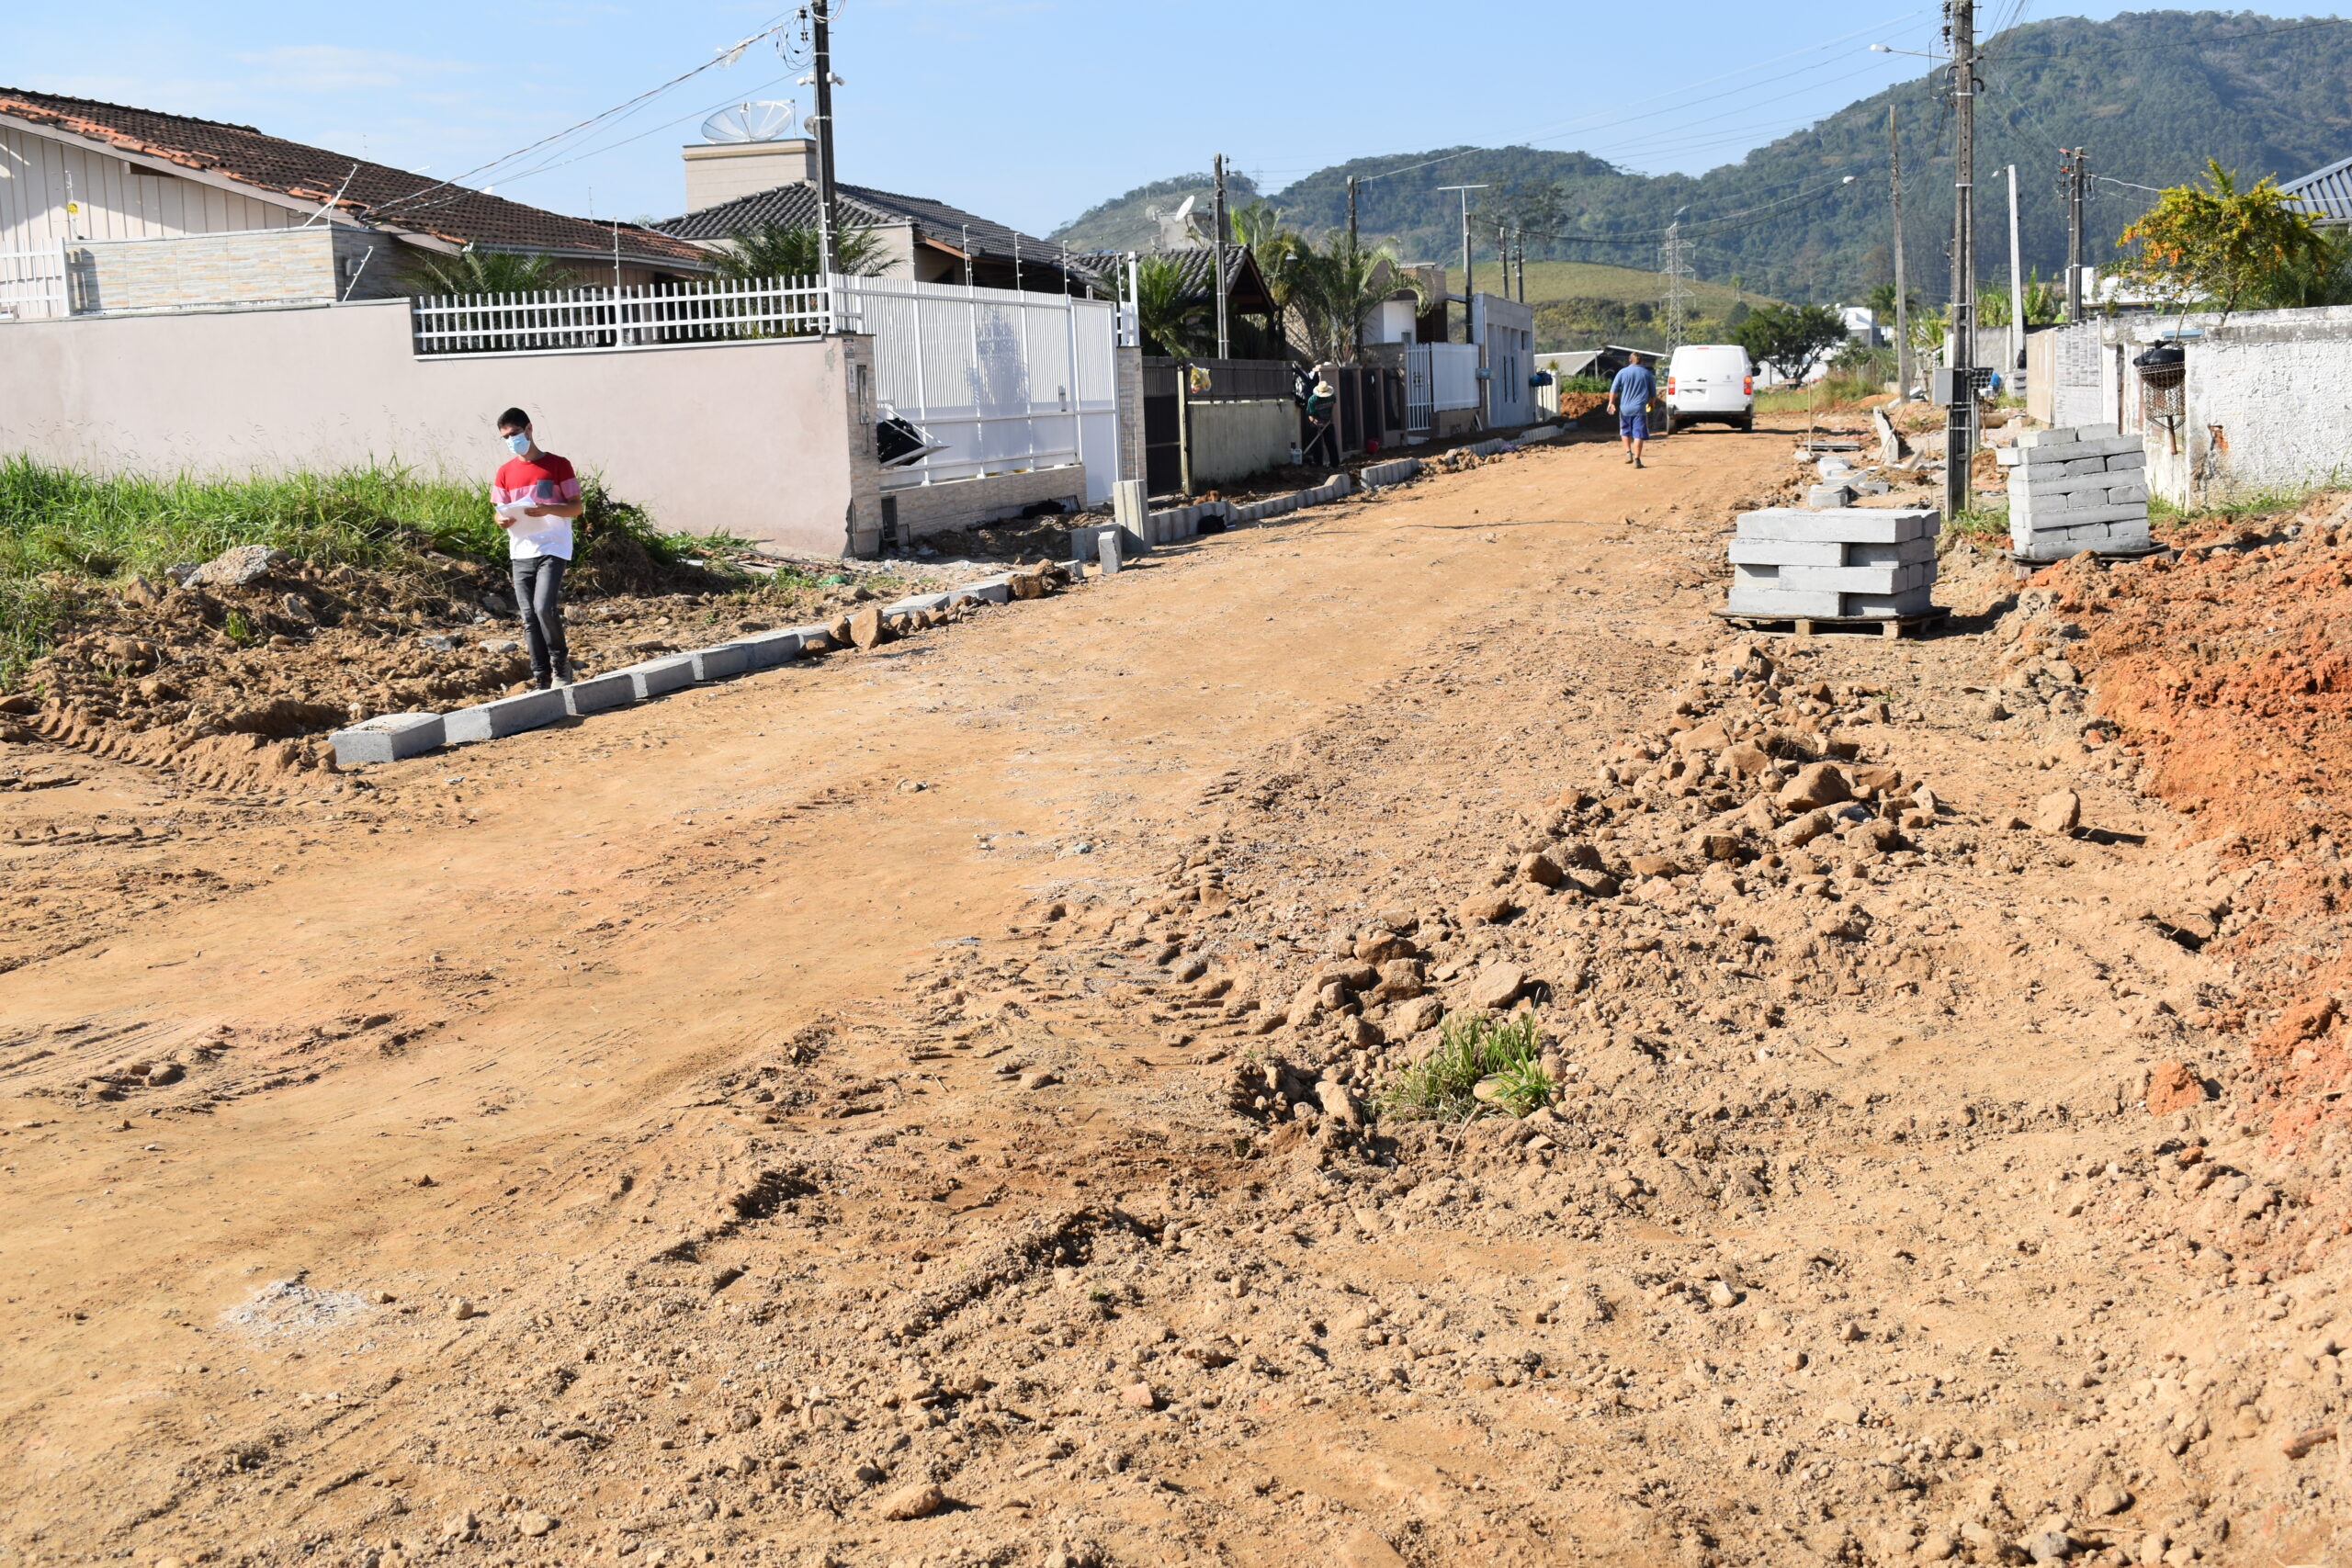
257	266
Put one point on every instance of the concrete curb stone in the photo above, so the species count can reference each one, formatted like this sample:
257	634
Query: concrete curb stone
765	651
717	662
598	693
504	716
656	676
387	739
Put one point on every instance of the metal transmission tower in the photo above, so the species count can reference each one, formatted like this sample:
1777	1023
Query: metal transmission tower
1959	419
1674	268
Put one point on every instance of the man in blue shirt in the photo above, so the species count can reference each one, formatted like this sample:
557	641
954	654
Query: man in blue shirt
1629	399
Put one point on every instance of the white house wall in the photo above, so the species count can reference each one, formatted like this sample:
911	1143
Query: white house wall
118	200
332	387
1504	330
2264	396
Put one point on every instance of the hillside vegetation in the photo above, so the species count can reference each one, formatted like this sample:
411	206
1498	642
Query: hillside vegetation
1581	305
2151	95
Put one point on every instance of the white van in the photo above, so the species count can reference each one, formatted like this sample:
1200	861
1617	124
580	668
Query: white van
1712	381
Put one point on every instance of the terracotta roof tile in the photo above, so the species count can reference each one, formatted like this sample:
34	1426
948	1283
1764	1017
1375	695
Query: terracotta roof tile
373	194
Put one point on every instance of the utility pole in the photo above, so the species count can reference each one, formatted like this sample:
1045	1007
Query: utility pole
2016	286
820	23
1959	417
1217	264
2077	169
1469	284
1906	371
1351	212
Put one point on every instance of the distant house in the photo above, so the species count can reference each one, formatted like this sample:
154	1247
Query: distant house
107	207
735	187
2325	193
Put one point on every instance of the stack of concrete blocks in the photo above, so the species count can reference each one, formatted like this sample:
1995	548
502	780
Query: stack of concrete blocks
1850	563
2076	490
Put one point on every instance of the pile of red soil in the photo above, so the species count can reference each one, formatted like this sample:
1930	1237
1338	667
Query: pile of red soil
2229	671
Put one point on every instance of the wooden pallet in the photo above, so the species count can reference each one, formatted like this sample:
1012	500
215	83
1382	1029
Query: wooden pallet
1889	626
2025	569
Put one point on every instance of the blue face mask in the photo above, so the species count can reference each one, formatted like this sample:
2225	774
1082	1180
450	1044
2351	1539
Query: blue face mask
519	444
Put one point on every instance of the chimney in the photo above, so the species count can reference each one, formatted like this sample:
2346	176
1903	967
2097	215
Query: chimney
719	172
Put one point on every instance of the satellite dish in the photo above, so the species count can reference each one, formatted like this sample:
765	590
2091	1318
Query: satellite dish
751	122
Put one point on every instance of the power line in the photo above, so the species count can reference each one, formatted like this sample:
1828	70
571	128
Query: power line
706	109
727	56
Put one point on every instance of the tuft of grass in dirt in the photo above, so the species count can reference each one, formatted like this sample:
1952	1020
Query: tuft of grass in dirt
1987	525
32	611
1472	1047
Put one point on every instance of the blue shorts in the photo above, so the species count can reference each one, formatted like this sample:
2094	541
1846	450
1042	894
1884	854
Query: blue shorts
1634	427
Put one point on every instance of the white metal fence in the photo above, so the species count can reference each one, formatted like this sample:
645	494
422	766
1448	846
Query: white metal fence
559	321
32	285
1005	381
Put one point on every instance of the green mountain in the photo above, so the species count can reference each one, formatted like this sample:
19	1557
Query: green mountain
1124	223
2149	95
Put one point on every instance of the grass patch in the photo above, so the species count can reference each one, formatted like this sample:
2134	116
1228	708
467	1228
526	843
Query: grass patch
2249	506
62	527
1472	1047
1987	525
57	519
1834	390
1552	281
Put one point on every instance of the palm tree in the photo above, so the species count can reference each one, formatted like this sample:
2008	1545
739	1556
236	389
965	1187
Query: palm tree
477	271
1174	320
780	250
1334	288
1280	252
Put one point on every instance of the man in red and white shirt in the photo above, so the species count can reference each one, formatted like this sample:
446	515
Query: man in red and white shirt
537	495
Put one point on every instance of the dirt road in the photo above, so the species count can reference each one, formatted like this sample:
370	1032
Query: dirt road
886	1110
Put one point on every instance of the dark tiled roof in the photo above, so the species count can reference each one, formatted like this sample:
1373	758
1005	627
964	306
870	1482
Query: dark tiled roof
795	206
2325	193
376	195
1245	286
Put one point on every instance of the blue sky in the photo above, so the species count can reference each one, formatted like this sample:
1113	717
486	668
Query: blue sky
1026	111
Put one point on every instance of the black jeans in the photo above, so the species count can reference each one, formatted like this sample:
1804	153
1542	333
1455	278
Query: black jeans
1323	428
539	599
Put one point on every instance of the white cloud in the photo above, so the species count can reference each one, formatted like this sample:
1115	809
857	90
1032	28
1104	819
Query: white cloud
332	68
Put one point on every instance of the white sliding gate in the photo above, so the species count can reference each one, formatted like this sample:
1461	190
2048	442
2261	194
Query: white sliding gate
1007	380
